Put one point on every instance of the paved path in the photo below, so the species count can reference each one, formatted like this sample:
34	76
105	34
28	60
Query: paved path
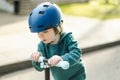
17	43
100	65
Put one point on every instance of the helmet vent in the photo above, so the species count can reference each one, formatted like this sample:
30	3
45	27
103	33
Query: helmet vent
30	27
41	12
40	26
45	5
30	13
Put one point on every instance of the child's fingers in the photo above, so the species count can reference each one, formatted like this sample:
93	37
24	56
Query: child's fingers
54	60
35	56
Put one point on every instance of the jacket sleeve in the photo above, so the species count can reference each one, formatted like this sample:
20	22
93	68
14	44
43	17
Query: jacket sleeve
74	53
36	65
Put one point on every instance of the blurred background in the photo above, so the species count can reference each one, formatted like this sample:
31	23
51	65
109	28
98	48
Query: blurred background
95	24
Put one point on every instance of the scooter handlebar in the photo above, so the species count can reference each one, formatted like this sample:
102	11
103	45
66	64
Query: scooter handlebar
45	63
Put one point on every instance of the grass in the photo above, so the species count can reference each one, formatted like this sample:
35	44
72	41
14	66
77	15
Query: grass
92	10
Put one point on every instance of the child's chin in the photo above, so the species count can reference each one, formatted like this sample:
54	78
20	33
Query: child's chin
46	42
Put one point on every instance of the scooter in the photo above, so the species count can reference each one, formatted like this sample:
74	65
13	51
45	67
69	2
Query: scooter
45	63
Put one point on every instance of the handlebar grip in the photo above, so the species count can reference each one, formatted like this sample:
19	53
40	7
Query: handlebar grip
41	59
63	64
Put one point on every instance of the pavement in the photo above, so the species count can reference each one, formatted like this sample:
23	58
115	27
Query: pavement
102	64
17	43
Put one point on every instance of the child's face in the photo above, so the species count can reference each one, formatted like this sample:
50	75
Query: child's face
47	36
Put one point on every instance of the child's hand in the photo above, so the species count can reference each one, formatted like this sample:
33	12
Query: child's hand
35	56
54	60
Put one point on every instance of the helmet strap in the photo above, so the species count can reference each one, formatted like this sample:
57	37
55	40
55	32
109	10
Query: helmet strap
58	28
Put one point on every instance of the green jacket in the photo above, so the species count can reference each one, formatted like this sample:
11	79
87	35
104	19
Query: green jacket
68	49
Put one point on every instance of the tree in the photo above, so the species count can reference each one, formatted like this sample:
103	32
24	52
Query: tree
106	1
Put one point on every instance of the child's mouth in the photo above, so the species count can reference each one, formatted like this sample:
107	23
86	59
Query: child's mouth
44	40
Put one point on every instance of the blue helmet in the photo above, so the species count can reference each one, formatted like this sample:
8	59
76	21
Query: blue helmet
45	16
